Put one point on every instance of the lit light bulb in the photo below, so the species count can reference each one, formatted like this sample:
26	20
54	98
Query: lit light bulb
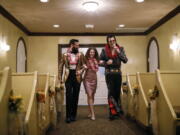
139	1
56	25
90	6
44	1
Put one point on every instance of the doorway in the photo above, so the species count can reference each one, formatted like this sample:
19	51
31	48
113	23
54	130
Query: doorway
101	92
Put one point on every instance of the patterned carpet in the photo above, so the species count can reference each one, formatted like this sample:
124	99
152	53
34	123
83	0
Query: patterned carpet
101	126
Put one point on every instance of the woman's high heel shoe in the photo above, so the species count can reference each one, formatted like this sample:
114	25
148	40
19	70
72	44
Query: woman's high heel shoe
93	118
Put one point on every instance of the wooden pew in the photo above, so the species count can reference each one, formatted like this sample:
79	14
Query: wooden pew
5	87
24	84
168	102
52	93
131	83
145	81
60	95
124	98
42	90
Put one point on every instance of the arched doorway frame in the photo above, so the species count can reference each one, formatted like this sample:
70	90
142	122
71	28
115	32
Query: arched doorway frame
148	49
21	39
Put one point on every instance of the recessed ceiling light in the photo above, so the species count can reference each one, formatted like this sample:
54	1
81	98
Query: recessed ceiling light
56	25
121	25
139	1
89	26
90	6
44	1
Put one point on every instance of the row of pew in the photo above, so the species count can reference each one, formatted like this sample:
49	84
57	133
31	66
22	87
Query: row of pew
28	102
152	100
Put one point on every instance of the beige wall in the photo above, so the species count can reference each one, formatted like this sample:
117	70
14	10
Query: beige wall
11	33
169	60
43	51
43	54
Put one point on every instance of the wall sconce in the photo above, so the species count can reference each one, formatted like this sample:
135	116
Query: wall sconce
4	47
175	44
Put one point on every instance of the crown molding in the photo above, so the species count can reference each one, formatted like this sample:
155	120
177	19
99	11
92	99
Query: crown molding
163	20
86	34
12	19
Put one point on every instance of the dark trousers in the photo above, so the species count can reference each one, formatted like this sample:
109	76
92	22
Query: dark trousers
72	94
113	81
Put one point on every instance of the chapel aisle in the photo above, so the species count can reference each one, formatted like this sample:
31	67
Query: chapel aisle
101	126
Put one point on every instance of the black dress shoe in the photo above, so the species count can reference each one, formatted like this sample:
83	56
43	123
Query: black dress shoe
73	119
121	112
68	120
111	117
118	115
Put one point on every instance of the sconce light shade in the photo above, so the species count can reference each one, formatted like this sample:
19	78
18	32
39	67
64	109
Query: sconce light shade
4	47
175	44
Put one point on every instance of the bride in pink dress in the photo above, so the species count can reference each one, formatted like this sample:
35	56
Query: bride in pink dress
90	78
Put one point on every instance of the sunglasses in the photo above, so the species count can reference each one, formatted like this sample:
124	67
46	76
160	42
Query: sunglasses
112	40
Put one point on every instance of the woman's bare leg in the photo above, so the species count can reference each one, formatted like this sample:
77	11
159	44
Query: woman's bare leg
91	105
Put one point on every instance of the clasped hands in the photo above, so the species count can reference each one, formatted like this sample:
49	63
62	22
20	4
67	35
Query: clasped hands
80	71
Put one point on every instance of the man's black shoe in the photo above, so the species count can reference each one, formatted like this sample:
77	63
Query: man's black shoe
73	119
111	117
68	120
121	112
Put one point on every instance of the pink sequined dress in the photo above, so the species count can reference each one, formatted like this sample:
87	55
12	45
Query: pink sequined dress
90	77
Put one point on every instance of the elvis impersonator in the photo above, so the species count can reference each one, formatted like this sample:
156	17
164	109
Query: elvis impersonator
111	57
